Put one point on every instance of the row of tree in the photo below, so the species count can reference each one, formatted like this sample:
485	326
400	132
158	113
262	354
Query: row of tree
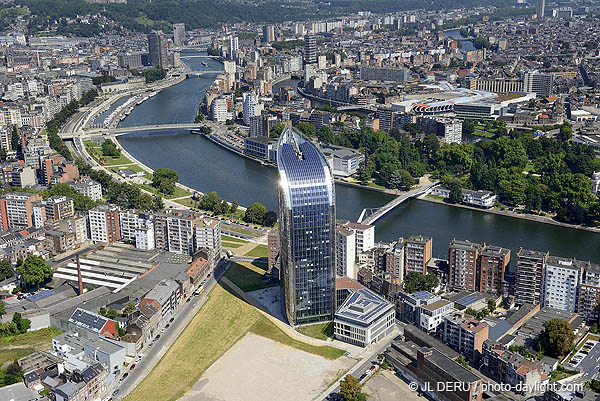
53	126
256	213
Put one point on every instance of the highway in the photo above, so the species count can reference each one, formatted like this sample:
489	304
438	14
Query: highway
182	316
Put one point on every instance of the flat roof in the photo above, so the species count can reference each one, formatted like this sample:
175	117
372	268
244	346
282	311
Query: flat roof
363	307
453	368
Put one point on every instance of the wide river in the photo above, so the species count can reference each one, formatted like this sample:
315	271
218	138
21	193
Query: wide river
207	167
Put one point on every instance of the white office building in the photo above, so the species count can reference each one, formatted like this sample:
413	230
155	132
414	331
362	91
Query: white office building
431	316
538	83
365	235
89	188
562	277
364	318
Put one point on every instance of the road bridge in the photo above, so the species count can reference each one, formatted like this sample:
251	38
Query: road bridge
200	56
204	72
369	216
127	130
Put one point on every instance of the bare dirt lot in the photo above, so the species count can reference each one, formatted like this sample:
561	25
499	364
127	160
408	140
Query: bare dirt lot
260	369
386	386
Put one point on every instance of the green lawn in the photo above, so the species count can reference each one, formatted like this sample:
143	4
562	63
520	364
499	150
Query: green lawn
179	192
132	167
113	161
321	331
241	230
264	327
248	276
189	202
231	244
260	251
233	239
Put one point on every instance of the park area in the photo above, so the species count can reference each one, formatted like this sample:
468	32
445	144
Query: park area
219	325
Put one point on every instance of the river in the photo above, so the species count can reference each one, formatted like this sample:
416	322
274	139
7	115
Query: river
207	167
466	43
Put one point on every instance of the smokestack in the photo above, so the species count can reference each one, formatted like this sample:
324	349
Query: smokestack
80	281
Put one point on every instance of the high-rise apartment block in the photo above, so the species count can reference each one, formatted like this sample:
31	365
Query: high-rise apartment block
158	55
493	263
418	253
310	49
103	222
562	277
178	34
16	209
529	274
463	260
306	230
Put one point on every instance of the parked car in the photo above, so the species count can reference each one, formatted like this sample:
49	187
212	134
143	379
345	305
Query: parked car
115	393
125	375
157	337
132	366
171	320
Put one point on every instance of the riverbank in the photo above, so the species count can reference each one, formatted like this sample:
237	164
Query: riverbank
508	213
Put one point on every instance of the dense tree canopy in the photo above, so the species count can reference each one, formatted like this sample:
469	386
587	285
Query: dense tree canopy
557	338
35	270
414	282
164	180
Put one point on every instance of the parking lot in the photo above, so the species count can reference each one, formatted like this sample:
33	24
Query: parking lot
586	359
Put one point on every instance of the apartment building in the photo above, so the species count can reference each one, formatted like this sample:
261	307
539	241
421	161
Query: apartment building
88	187
16	209
163	296
588	305
409	305
394	260
103	223
529	274
207	234
431	315
465	336
418	253
493	264
364	234
59	207
562	277
345	252
463	261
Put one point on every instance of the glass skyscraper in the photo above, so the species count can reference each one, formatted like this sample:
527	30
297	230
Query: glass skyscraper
306	230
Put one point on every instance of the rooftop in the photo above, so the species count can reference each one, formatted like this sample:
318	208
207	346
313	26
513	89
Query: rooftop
363	307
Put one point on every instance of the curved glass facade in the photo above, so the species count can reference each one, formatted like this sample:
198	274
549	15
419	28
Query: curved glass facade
306	230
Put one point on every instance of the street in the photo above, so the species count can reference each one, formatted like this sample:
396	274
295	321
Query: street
182	317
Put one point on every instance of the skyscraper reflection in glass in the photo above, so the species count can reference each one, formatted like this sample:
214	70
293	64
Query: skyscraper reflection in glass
306	230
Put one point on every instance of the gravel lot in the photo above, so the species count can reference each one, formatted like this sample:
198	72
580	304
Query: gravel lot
260	369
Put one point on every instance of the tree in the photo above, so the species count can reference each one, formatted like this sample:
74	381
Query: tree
111	313
110	149
468	127
255	213
351	389
164	179
233	207
129	309
22	324
463	362
276	130
306	128
211	202
35	270
415	282
270	218
455	192
5	269
121	331
566	132
557	338
491	305
2	308
15	139
157	203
